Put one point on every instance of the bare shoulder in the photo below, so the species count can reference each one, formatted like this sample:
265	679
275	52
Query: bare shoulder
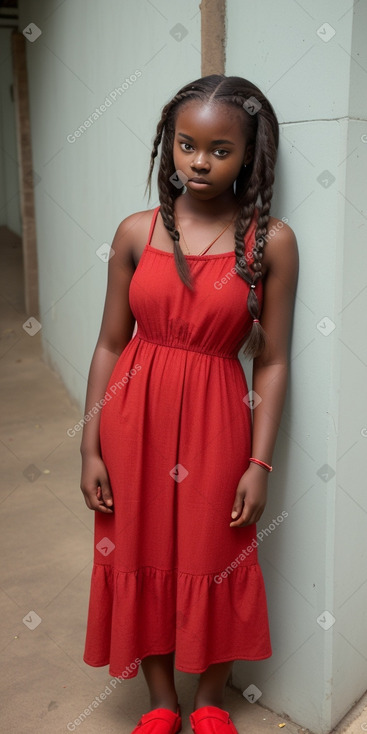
136	225
281	249
132	234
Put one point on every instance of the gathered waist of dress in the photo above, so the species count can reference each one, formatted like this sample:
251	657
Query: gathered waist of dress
172	345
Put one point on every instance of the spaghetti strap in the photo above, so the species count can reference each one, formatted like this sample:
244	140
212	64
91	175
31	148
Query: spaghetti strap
152	224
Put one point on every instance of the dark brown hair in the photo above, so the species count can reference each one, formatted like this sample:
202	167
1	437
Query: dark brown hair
254	182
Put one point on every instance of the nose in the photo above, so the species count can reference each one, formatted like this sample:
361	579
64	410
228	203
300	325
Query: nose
200	162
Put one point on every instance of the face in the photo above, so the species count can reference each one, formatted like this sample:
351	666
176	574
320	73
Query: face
210	147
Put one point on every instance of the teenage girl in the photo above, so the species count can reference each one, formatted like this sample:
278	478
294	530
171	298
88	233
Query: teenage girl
174	460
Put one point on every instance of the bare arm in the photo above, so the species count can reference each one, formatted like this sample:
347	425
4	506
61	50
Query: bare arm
270	371
116	330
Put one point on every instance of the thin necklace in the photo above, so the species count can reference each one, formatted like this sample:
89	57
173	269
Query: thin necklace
212	243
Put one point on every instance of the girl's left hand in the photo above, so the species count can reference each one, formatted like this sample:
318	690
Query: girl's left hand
251	496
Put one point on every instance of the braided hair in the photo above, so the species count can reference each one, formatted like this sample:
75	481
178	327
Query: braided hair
253	182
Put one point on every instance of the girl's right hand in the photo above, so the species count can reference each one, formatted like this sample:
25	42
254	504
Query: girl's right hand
95	484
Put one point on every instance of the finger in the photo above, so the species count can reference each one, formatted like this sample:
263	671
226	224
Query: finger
249	517
238	523
86	497
237	507
104	509
94	501
246	518
87	502
106	493
99	506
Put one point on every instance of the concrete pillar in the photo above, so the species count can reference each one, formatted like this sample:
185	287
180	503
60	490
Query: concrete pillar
213	15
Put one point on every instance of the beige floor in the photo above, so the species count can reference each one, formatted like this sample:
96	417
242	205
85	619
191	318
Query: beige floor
47	546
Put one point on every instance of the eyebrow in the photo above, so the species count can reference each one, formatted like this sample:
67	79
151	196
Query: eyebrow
214	142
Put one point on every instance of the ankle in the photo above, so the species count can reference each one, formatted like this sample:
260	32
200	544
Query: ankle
164	702
201	701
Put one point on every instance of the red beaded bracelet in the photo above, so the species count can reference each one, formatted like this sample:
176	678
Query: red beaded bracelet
261	463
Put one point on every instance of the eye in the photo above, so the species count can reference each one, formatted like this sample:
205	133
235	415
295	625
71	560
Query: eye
185	146
221	152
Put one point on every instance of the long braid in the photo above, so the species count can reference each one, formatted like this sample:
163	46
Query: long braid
260	182
167	191
252	183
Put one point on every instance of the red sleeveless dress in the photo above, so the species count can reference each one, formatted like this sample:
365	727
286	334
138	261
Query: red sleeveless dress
169	573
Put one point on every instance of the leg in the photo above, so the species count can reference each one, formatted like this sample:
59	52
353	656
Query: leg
159	675
212	684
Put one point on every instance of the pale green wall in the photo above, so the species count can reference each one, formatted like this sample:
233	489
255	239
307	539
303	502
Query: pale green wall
9	176
316	559
86	49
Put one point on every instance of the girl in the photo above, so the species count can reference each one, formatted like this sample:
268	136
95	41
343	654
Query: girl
172	463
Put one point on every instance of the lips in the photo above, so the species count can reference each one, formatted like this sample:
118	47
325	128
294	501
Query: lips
199	180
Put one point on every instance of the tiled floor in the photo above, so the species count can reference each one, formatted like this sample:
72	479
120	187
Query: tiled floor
47	545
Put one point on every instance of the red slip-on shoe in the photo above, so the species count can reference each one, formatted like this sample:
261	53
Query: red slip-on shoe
212	720
159	721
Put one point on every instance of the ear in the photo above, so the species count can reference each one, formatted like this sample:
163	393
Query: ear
249	153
